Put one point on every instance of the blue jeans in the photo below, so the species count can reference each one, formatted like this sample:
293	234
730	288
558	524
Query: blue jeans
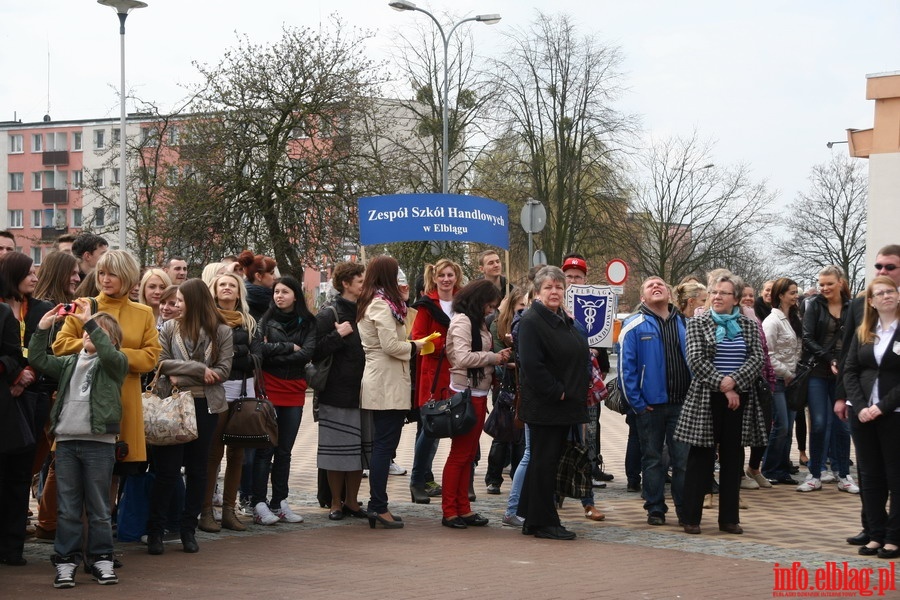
655	429
83	476
387	427
423	458
821	397
515	492
776	462
277	460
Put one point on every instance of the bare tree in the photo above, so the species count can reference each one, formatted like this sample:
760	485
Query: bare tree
827	223
555	94
689	215
269	142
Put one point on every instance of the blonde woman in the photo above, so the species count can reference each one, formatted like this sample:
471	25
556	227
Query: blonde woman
231	299
153	284
689	296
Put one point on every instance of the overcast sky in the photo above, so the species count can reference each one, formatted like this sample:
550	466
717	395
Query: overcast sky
770	81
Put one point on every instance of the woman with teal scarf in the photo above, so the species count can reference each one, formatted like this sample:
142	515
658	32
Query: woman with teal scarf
725	355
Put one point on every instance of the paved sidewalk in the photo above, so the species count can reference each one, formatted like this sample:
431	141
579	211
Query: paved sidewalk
621	557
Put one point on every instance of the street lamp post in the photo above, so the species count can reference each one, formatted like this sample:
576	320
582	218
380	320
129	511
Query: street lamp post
488	19
122	8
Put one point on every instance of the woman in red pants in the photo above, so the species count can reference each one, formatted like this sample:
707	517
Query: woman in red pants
472	361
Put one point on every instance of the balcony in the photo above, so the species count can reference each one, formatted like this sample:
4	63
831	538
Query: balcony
56	158
55	196
49	234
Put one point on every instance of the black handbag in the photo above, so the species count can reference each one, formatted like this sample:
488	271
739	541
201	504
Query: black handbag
17	423
252	422
317	372
763	393
450	417
615	400
500	424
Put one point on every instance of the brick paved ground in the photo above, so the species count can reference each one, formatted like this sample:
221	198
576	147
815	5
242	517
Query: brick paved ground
622	557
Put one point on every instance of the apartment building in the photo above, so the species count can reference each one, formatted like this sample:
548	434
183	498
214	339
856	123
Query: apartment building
44	168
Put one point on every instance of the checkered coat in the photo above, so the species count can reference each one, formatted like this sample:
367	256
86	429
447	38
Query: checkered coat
695	426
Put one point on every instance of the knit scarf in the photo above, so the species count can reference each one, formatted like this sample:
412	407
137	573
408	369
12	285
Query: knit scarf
727	326
232	317
399	312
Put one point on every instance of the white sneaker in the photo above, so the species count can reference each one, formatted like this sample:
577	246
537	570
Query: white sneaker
217	499
810	485
287	515
263	515
828	477
748	484
65	572
102	570
846	484
396	469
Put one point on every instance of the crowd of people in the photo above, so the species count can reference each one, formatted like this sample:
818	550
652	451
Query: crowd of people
707	369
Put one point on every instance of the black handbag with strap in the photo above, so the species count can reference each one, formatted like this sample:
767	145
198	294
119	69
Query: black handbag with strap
450	417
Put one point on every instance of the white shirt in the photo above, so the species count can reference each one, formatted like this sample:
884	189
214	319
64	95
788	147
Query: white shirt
883	339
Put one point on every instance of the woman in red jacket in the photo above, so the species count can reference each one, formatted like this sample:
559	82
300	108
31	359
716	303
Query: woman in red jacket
442	281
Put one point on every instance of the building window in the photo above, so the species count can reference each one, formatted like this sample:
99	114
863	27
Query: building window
37	218
37	142
76	180
174	135
59	219
76	141
16	144
113	215
99	217
57	141
76	217
98	178
116	136
17	182
172	176
36	252
37	180
148	136
115	177
99	139
15	219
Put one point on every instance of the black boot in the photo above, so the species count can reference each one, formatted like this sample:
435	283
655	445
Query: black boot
418	494
189	541
155	543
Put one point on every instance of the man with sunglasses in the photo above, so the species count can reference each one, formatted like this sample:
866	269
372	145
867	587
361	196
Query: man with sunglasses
887	263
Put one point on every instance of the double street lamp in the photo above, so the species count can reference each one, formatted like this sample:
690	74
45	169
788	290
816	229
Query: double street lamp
488	19
122	8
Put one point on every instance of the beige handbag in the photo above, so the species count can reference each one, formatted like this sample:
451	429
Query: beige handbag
170	420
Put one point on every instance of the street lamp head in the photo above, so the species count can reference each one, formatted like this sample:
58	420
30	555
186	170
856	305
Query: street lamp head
491	19
402	5
123	6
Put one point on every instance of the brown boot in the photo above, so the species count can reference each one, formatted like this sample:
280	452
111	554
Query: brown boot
208	523
230	519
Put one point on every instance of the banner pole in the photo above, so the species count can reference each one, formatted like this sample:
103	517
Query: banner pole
508	273
362	253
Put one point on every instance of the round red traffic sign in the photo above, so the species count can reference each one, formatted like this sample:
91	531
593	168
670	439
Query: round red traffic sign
616	271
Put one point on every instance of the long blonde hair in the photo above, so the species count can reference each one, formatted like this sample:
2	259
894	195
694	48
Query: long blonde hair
505	318
866	330
241	306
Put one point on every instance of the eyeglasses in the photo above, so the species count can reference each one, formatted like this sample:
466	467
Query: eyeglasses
881	267
882	293
574	277
717	293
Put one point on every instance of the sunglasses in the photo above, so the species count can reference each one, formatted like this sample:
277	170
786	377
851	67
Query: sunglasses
888	268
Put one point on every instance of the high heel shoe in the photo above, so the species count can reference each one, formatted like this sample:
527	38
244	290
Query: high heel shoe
375	518
418	494
359	513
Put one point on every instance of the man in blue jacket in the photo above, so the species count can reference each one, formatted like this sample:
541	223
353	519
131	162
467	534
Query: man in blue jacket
654	376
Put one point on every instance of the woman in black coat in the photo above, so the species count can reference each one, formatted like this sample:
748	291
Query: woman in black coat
345	436
554	377
872	382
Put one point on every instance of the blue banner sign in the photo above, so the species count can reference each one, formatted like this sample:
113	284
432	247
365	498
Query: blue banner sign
594	306
433	217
